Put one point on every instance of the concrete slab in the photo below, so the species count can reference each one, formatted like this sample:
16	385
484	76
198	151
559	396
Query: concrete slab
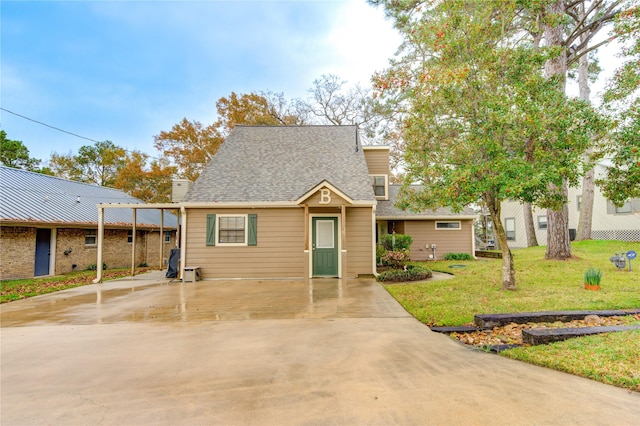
267	352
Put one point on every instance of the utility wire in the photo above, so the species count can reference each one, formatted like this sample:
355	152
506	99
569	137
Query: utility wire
69	133
45	124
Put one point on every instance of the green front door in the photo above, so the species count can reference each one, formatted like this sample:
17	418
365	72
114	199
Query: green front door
325	246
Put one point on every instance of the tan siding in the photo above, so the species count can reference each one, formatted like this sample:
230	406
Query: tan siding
279	252
359	242
446	241
377	161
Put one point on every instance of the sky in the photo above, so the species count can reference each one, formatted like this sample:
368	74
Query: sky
126	70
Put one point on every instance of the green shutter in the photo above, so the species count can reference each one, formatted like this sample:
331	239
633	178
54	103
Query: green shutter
253	230
211	229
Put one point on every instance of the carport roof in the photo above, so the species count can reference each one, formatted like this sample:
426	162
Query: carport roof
27	197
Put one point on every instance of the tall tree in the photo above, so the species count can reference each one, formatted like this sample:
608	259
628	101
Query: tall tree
332	102
148	182
97	164
571	39
15	154
190	144
622	99
474	96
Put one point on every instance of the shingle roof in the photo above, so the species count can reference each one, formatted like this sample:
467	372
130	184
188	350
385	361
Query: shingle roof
386	208
34	197
282	163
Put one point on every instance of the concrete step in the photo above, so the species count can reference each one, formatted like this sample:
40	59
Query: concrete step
548	335
496	320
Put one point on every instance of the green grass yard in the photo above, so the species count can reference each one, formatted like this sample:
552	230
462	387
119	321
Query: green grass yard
543	285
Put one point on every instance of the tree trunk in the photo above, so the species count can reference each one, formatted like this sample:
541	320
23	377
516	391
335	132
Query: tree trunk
588	181
508	268
586	205
558	244
529	226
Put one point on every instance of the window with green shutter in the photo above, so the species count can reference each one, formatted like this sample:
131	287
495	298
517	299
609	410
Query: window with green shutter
232	230
253	229
211	229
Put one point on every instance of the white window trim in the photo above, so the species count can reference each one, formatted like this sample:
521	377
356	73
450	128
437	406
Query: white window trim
164	237
246	231
459	228
129	235
514	228
95	235
546	223
386	186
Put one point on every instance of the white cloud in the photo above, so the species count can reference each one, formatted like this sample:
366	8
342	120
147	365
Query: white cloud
362	40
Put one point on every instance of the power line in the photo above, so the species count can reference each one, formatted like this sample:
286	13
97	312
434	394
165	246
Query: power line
52	127
67	132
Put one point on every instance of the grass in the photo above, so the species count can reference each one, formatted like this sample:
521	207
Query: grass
542	285
19	289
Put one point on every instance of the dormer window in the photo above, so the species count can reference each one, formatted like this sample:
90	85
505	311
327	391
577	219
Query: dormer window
380	185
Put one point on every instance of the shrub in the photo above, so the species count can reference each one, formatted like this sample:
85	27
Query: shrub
396	241
412	273
380	251
458	256
94	267
395	259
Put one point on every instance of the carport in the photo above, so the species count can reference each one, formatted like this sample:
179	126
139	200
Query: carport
134	208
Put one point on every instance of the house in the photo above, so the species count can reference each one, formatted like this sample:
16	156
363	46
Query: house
49	226
435	233
282	202
609	222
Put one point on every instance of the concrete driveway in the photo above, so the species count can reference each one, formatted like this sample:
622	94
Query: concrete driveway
326	352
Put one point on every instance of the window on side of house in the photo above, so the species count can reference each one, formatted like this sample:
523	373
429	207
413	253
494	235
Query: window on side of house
542	222
579	201
167	236
232	230
90	237
130	236
625	208
452	225
380	185
510	228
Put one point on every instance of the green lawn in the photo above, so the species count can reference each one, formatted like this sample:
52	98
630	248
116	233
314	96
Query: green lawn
20	289
542	286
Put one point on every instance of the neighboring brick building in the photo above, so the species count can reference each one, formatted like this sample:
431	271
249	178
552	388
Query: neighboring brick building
48	226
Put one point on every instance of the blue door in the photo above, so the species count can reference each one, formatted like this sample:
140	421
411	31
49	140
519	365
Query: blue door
325	246
43	252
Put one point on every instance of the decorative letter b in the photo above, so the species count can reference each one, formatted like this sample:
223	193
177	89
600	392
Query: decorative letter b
325	196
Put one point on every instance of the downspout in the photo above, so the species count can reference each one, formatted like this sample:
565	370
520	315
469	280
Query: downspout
373	239
183	241
100	243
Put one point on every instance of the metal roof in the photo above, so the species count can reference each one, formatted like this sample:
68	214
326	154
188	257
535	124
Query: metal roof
387	209
283	163
38	198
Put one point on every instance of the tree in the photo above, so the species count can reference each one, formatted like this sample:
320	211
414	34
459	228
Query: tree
97	164
571	41
622	99
149	183
190	145
15	154
481	122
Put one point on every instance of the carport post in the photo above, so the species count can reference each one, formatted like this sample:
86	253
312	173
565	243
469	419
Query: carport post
183	241
161	237
133	244
100	240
